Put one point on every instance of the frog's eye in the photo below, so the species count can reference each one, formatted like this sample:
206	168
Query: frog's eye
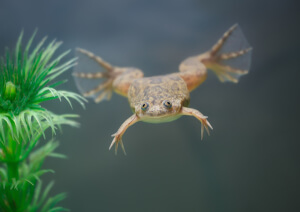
144	106
167	104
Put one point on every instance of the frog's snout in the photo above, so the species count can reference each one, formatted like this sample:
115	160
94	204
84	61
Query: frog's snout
163	108
156	110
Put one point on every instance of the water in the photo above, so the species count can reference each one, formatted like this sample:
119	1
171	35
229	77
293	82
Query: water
249	163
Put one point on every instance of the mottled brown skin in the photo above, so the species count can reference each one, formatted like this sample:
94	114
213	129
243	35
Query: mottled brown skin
154	91
163	98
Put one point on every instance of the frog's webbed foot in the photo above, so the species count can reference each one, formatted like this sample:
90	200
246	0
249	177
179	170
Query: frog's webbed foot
118	135
203	119
230	57
107	75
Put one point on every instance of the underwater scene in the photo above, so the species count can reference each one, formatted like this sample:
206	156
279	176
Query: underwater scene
149	105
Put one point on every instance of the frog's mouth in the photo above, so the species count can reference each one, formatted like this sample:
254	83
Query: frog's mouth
159	118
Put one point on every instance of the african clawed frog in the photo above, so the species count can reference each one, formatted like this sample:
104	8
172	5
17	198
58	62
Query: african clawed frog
165	98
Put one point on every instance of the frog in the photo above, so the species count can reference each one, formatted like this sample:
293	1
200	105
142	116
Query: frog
165	98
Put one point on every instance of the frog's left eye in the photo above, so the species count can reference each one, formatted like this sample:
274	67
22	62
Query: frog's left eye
144	106
167	104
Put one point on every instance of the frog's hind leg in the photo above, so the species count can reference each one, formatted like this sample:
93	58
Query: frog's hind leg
115	79
230	57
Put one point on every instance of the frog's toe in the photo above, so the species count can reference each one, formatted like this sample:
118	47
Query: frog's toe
97	75
122	146
116	142
99	92
113	142
96	58
206	125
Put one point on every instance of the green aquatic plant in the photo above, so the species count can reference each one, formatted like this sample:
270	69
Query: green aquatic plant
27	79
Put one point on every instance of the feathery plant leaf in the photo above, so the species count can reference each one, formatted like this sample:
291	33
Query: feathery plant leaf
27	79
39	201
26	82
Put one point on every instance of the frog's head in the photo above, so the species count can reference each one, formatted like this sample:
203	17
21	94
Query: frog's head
158	99
159	109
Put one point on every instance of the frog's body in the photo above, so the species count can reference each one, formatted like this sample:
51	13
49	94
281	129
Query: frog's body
165	98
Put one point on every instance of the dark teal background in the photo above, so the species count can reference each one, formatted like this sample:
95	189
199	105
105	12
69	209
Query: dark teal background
251	160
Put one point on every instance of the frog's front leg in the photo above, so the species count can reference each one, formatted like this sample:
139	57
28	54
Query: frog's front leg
118	135
116	79
203	119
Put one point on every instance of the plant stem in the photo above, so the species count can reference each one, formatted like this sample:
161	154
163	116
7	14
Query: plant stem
13	170
13	176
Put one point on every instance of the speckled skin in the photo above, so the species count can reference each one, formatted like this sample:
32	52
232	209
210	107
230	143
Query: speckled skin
154	91
148	96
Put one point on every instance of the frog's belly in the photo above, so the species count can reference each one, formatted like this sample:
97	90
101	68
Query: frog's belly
161	119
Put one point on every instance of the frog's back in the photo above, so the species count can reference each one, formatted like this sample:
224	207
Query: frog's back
156	88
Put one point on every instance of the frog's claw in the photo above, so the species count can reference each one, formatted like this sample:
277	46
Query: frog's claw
118	135
230	57
203	119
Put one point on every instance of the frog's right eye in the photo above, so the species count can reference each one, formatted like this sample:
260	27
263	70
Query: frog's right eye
144	106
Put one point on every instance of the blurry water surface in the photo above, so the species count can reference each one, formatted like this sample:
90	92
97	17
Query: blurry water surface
249	163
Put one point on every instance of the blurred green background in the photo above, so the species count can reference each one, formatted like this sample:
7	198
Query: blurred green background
249	163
